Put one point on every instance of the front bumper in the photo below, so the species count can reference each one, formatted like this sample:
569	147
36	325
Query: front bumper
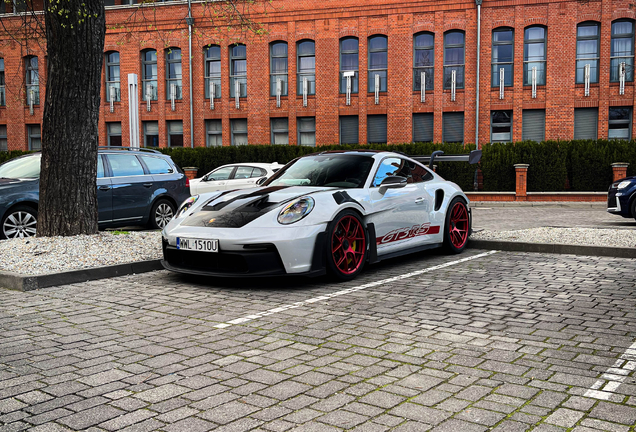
618	203
264	253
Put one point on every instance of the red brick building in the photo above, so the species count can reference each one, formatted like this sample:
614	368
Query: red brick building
566	68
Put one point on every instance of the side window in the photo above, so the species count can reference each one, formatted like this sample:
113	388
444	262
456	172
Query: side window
259	172
221	174
125	165
100	167
243	172
157	165
388	167
420	174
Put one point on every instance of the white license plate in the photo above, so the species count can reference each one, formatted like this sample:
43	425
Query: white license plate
197	245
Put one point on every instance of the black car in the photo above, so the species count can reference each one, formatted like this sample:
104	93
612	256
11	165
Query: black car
621	197
134	187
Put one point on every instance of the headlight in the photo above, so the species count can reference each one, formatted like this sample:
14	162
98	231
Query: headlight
187	204
624	184
296	210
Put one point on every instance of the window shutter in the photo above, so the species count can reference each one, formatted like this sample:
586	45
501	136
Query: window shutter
453	127
423	127
533	127
376	129
349	130
585	123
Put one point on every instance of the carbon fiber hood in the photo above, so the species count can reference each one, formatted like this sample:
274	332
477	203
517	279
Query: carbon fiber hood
236	209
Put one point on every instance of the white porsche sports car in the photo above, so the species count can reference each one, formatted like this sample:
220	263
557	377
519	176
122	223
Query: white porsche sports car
327	212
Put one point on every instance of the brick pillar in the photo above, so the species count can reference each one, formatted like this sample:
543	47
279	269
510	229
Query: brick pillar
620	170
191	172
522	181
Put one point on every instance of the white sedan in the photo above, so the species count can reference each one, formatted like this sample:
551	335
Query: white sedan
233	176
332	211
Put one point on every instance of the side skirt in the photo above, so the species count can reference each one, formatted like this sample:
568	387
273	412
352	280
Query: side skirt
409	251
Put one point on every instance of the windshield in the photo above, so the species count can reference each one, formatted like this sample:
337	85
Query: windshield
24	167
331	170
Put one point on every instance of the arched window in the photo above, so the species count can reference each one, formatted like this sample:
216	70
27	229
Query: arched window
173	73
213	71
534	54
349	63
502	55
112	77
149	74
423	60
622	50
238	69
454	46
32	79
378	62
306	64
278	67
587	51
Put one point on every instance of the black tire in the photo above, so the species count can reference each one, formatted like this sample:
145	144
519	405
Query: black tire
345	255
19	222
456	227
161	213
634	208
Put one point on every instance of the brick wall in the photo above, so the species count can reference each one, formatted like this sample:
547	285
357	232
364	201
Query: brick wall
162	27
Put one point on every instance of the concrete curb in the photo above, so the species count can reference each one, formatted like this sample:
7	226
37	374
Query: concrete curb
607	251
599	205
21	282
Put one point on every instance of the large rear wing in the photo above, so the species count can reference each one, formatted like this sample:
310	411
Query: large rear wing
438	156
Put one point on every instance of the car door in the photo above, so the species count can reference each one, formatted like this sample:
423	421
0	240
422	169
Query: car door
396	213
214	181
104	193
132	188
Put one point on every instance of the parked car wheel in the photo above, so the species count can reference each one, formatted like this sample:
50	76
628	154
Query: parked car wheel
456	227
347	245
634	208
161	213
19	222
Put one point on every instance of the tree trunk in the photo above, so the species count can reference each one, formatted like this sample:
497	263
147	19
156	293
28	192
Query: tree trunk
75	32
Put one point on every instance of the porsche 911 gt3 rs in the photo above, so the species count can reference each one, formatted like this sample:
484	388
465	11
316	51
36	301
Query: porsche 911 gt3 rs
327	212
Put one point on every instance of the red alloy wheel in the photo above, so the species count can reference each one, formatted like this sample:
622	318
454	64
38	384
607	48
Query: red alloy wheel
348	245
458	226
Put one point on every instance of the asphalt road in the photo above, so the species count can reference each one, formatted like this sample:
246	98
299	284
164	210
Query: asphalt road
475	342
518	217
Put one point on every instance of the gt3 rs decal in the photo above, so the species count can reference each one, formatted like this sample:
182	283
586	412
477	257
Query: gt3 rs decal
407	232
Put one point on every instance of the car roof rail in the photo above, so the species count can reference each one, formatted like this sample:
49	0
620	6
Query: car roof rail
128	148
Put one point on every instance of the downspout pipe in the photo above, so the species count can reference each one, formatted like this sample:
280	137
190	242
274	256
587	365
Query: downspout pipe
478	3
190	22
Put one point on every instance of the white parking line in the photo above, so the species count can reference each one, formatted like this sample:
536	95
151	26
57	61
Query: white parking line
348	291
614	376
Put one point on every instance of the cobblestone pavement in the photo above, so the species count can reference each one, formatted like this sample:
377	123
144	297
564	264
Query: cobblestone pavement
506	342
515	218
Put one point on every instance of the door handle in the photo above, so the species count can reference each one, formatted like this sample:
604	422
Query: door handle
104	188
147	185
419	200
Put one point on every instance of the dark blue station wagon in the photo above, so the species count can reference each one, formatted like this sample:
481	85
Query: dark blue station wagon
134	187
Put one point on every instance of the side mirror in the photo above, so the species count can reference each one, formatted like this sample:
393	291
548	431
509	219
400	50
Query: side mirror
261	180
392	182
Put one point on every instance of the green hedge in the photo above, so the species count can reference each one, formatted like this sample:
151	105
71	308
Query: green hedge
554	165
578	166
